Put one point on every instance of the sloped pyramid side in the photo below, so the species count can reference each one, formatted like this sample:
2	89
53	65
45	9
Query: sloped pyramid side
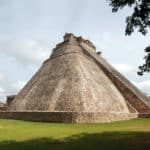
135	99
76	79
70	81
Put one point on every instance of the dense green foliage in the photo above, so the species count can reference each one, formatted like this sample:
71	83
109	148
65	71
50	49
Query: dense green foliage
140	18
125	135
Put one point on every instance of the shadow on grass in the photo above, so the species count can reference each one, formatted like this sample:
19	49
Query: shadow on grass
100	141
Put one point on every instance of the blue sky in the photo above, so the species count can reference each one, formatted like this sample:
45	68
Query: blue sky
31	28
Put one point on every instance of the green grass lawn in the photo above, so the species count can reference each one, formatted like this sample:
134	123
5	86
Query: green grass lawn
125	135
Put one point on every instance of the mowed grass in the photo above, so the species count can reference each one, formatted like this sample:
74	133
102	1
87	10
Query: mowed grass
124	135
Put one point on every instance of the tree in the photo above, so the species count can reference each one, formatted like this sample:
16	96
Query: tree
140	19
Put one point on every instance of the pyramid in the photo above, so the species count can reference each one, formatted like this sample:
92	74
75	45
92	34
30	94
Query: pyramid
76	84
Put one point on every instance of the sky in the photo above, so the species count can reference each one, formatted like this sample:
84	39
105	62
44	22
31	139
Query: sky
30	29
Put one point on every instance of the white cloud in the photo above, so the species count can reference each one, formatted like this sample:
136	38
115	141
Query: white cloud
10	88
25	51
123	49
2	94
130	71
125	68
18	86
2	76
144	86
2	90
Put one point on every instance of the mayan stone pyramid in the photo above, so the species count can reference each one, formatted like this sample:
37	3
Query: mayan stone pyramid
76	84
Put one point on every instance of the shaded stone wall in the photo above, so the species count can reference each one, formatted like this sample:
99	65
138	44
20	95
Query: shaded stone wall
4	108
10	98
144	115
68	117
